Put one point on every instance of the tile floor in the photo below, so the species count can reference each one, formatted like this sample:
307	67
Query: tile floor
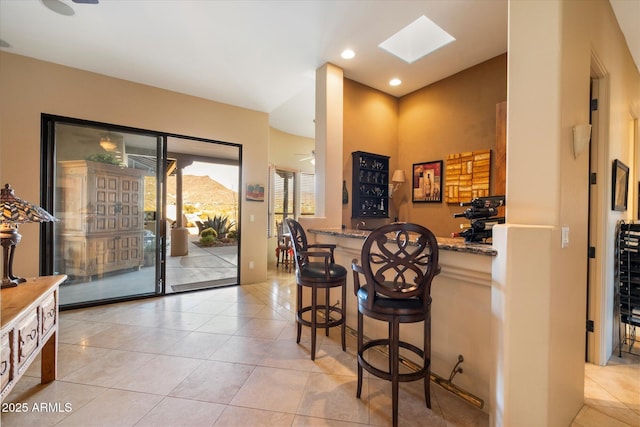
228	357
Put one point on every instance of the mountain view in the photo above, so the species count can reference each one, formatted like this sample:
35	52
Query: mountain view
201	195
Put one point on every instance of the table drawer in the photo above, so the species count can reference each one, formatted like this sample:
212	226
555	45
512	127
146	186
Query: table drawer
5	359
49	310
27	336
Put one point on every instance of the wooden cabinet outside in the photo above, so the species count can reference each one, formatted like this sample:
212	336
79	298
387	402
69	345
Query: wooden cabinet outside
102	217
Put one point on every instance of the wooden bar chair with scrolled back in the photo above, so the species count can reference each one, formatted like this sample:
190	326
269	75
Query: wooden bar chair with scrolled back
316	269
283	247
399	261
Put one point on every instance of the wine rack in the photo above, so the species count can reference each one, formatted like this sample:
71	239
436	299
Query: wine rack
628	284
483	215
370	181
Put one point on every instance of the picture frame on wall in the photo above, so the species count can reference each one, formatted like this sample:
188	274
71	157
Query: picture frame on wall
255	192
620	186
427	182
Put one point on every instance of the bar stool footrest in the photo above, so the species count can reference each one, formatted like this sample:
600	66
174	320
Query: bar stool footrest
327	323
386	375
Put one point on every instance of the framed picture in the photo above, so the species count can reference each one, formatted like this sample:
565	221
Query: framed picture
255	192
427	182
620	186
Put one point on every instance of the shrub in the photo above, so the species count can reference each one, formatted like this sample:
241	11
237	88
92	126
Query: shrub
209	232
220	224
207	240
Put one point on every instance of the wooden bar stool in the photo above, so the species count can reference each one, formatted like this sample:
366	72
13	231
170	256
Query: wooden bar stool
399	261
283	249
324	274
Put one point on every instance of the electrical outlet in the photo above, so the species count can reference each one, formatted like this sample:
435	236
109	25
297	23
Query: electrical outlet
251	265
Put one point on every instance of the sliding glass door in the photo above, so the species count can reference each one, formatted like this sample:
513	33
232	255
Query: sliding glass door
204	210
132	207
106	198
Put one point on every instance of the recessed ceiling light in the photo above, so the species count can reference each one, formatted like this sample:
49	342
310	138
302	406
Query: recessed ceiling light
416	40
348	54
59	7
395	82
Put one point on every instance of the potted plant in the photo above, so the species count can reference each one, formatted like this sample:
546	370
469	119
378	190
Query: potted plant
107	158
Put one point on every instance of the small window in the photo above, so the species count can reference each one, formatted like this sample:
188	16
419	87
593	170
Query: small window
307	194
291	194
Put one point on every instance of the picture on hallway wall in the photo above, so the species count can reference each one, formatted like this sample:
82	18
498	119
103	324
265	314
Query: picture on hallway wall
620	184
255	192
427	182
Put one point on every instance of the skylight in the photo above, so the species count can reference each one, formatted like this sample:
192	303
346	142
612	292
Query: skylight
417	40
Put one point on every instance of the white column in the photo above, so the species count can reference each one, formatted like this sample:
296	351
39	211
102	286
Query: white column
329	119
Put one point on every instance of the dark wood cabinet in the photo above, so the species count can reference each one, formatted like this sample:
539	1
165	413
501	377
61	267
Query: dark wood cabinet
370	185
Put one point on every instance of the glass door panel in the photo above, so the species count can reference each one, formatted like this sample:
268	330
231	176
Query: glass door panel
106	200
203	210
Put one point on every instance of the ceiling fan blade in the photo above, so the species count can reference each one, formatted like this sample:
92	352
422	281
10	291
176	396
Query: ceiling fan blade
307	157
86	1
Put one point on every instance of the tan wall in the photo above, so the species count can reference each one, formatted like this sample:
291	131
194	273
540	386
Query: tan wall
287	150
539	287
371	125
454	115
31	87
616	140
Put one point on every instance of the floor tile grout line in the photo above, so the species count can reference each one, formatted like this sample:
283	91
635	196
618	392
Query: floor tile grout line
263	294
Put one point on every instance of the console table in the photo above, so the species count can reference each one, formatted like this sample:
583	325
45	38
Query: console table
29	326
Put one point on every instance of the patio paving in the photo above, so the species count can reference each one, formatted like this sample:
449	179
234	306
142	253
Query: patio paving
202	267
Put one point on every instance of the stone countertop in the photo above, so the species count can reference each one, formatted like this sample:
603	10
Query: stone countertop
444	243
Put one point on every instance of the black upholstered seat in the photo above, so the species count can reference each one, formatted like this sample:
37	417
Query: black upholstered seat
324	274
398	263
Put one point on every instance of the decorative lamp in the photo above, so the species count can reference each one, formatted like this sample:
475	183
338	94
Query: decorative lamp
15	211
107	144
397	178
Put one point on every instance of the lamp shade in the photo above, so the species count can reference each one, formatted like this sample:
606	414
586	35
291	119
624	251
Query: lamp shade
15	211
398	176
18	211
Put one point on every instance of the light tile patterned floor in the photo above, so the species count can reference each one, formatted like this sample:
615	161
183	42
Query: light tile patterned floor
228	357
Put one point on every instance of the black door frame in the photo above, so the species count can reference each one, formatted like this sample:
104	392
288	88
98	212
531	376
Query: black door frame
47	179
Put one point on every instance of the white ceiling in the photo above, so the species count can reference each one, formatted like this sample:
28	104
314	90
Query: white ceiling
628	15
260	55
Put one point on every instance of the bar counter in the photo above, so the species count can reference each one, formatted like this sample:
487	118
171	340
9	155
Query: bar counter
444	243
460	312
